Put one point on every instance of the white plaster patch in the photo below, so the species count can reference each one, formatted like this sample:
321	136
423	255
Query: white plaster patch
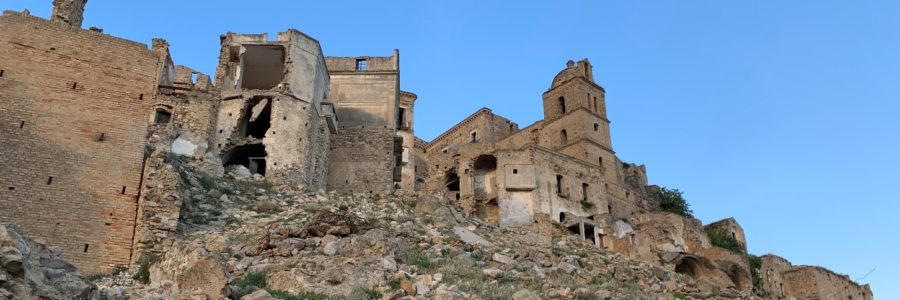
183	147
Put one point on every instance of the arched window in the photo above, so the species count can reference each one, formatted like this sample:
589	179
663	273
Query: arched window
562	105
563	137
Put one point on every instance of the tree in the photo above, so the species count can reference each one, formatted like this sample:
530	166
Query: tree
670	200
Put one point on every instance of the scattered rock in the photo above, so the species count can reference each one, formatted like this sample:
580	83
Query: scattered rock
493	273
408	286
192	269
332	248
470	237
259	295
503	259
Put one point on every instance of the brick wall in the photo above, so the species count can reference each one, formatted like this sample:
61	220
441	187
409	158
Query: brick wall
73	117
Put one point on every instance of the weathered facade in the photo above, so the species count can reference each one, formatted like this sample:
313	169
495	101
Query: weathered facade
562	166
273	117
73	109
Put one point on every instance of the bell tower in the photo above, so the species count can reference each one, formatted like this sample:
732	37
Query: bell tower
575	120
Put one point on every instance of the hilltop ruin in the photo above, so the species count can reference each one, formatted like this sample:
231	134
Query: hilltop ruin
83	114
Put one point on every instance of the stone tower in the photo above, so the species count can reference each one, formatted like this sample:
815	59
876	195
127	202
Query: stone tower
575	117
69	11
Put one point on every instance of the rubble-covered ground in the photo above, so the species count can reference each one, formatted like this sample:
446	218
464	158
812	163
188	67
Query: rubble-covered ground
240	237
243	237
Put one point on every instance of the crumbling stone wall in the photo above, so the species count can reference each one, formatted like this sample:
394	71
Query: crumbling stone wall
159	206
813	282
73	123
782	279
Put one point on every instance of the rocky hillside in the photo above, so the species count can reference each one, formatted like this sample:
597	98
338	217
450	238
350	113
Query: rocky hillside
239	237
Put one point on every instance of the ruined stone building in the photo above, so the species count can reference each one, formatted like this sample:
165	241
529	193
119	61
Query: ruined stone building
563	166
81	112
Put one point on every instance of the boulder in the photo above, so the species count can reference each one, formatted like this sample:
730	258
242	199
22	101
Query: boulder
30	270
192	269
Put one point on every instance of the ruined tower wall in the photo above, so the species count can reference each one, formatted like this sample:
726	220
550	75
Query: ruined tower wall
73	120
365	92
295	140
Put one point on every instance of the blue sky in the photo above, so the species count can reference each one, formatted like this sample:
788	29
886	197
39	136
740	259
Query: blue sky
783	114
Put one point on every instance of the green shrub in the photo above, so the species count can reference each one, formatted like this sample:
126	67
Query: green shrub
257	279
116	271
755	264
416	257
679	295
670	200
143	273
723	239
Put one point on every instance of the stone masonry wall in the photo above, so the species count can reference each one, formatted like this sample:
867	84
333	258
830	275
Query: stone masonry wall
73	109
364	157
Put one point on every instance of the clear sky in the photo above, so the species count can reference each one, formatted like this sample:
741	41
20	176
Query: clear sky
783	114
